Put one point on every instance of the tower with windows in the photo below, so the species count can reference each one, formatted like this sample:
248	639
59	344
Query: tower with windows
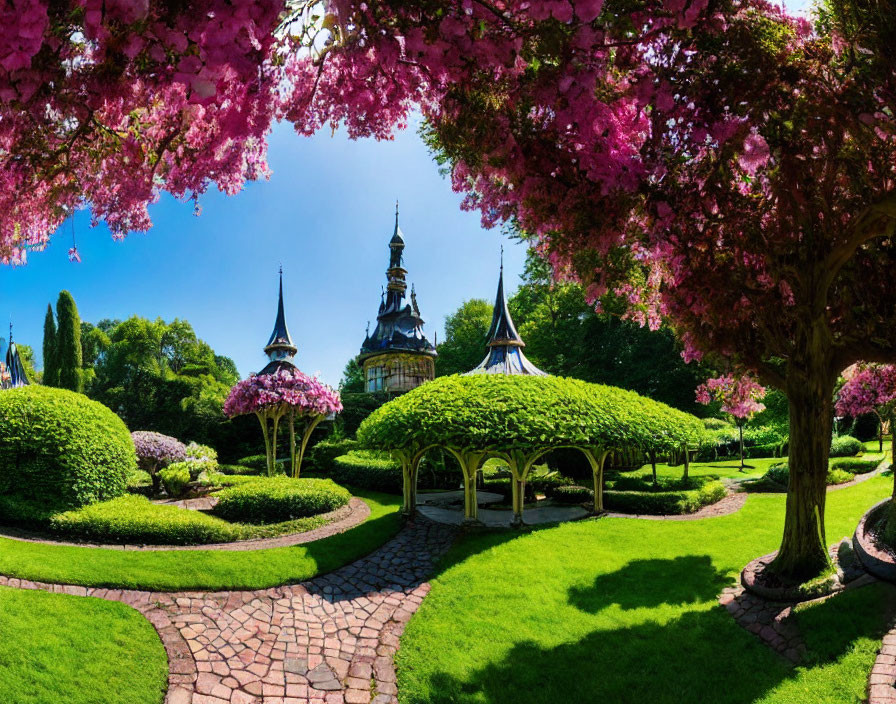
397	356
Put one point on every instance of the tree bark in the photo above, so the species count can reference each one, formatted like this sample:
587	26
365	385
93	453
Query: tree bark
810	387
740	426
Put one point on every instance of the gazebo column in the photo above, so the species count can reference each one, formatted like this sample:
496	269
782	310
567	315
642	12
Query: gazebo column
469	461
596	458
410	463
520	465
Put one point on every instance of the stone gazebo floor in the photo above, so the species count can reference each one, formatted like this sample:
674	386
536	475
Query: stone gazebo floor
438	507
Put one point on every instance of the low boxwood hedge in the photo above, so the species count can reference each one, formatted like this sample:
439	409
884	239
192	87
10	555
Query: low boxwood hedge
572	494
659	503
368	470
777	477
322	456
59	446
280	499
135	519
856	465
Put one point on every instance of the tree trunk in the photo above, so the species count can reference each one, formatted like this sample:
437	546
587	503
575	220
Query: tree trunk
653	465
880	433
687	463
803	552
740	427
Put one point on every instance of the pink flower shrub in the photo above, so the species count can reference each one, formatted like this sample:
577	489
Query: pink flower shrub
740	397
305	395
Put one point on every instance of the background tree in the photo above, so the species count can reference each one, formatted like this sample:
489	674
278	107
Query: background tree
51	368
740	398
68	343
26	355
352	378
465	336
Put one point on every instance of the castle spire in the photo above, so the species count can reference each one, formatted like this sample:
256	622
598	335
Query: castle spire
505	346
280	346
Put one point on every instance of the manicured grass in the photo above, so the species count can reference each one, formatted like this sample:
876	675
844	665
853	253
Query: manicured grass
625	610
723	469
172	570
57	648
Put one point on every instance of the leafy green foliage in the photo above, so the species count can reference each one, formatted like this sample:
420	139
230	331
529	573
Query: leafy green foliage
368	470
352	378
176	479
856	465
160	376
135	519
499	412
573	494
68	343
59	446
51	368
280	499
356	407
465	336
846	446
778	476
658	503
322	455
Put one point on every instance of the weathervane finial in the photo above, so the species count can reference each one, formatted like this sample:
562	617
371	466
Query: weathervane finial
502	258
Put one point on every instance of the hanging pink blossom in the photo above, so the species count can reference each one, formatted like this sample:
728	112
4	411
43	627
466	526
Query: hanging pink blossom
869	389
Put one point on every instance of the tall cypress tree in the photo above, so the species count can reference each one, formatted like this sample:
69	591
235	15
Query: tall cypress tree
68	343
51	365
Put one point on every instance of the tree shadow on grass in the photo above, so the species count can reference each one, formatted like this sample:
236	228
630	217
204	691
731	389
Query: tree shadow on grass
703	656
688	579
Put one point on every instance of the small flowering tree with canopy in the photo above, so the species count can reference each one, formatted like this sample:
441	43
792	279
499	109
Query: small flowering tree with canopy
156	451
288	394
870	389
739	397
715	162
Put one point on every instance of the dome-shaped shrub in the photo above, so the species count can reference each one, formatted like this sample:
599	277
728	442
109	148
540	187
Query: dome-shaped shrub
59	446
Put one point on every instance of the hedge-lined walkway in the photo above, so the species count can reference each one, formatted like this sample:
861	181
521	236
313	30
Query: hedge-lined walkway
327	640
338	521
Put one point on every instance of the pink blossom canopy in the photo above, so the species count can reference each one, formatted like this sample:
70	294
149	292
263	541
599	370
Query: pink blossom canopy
740	397
868	390
305	395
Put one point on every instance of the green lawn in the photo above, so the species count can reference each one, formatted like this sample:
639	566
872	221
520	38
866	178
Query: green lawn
625	610
57	648
173	570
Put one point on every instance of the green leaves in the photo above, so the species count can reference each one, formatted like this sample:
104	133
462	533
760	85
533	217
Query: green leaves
518	412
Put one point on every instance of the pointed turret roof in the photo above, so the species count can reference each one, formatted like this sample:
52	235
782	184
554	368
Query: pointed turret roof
14	364
280	348
397	236
505	346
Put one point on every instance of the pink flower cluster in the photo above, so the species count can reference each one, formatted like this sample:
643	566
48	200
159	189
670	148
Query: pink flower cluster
156	451
739	396
305	395
870	389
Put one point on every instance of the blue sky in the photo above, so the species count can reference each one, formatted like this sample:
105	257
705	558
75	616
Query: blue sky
326	214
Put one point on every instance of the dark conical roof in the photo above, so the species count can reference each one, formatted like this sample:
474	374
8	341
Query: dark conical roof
397	236
505	346
14	364
280	341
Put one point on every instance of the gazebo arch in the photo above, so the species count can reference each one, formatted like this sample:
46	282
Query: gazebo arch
519	419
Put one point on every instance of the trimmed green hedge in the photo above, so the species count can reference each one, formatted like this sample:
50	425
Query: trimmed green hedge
322	456
280	499
664	502
369	470
498	412
856	465
135	519
60	447
573	494
846	446
777	477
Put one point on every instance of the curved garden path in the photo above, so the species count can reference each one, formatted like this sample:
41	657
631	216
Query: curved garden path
326	641
340	520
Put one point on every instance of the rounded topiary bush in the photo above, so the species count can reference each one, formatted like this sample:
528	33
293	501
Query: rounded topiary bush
60	447
280	499
156	451
846	446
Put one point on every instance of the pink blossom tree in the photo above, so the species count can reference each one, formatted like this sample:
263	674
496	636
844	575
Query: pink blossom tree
288	394
739	397
718	163
870	388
